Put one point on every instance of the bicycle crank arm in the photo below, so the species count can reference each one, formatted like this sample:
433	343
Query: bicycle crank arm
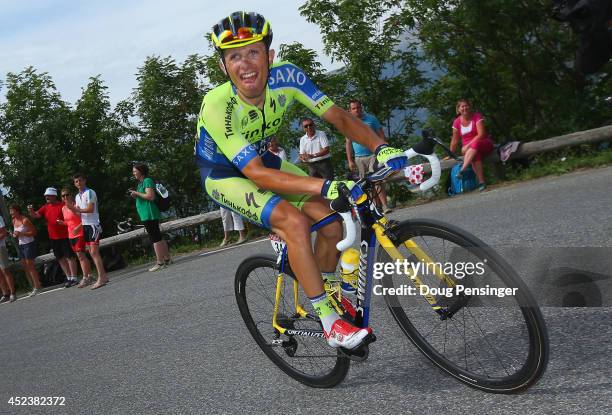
361	353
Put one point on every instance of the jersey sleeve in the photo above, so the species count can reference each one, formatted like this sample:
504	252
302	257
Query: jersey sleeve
148	182
219	135
456	123
288	76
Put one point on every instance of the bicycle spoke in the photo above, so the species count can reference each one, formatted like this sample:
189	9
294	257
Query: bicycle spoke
483	337
307	356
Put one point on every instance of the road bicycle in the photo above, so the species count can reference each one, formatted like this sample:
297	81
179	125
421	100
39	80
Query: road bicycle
458	301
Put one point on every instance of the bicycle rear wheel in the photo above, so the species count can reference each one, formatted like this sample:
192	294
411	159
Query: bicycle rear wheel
491	342
306	359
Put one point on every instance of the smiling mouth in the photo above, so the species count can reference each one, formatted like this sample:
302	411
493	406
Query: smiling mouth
249	76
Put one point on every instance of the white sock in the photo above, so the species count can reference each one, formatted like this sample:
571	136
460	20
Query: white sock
325	311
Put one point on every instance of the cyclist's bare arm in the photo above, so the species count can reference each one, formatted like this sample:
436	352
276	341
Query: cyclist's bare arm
279	181
351	126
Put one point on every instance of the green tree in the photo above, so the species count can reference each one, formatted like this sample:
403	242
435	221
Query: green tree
331	84
47	141
167	101
510	59
381	65
35	131
100	149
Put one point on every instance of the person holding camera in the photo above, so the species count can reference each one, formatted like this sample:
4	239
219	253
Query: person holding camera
149	214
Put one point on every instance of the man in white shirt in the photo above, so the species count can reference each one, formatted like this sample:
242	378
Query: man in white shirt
314	151
7	283
86	205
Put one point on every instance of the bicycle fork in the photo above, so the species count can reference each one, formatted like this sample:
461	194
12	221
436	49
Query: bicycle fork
390	248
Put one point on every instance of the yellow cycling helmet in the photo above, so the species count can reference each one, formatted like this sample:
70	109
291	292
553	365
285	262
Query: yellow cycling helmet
241	29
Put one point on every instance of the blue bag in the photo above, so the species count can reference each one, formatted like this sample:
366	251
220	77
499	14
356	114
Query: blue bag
466	184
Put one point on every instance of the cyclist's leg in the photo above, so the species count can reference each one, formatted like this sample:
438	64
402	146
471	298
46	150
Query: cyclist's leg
293	227
281	214
325	251
316	208
284	217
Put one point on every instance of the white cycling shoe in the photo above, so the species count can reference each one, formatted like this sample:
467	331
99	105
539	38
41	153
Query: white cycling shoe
344	334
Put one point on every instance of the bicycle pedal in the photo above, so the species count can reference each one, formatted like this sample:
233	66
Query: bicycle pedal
361	353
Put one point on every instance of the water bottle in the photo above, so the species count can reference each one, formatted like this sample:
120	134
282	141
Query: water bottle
349	270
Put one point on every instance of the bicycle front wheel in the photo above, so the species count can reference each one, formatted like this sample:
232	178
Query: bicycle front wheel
306	358
477	322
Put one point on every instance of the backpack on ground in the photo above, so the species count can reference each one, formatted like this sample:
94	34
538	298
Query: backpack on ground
162	197
465	184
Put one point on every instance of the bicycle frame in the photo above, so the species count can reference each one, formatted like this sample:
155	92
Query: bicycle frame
373	228
372	231
364	293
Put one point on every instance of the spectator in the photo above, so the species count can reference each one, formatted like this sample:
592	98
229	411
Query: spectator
232	222
365	160
76	236
6	294
149	214
58	234
314	151
86	205
475	142
25	231
276	149
7	282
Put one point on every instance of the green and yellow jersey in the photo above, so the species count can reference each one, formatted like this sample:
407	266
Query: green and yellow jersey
232	132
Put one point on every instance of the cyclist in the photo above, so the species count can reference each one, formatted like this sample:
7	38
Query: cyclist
236	121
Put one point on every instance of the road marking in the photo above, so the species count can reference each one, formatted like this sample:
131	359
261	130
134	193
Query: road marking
50	291
25	297
232	247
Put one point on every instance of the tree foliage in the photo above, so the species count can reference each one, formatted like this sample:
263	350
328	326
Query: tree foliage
166	102
46	142
380	60
510	58
400	57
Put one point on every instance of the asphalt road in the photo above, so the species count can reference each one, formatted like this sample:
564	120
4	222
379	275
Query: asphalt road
174	342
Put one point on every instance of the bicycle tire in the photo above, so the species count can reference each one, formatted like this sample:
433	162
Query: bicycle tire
521	364
308	360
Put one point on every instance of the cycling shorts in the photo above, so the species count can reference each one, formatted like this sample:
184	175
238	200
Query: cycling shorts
236	192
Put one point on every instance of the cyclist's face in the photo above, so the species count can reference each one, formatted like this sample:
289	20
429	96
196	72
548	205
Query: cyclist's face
247	67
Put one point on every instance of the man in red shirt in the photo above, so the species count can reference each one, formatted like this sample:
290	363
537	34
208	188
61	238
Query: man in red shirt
58	234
